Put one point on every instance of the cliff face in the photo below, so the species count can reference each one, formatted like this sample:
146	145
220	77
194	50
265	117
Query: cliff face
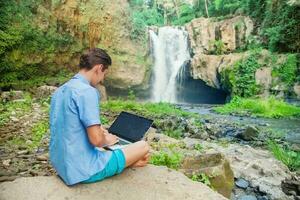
93	23
218	46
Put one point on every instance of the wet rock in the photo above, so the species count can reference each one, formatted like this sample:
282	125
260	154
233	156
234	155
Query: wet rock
250	133
215	166
242	183
248	197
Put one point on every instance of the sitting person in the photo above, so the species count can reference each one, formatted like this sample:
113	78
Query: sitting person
76	129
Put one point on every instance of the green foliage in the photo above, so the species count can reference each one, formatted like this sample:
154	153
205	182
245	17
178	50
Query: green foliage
241	79
186	14
170	159
177	133
219	47
19	107
271	108
104	120
287	71
131	95
203	178
38	131
198	147
26	51
290	158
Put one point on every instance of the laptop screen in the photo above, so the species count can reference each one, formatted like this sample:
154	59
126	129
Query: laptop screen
130	127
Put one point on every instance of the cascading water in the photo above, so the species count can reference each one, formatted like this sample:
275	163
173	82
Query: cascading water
170	51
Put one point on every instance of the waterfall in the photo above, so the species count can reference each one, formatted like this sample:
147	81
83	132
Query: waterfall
170	52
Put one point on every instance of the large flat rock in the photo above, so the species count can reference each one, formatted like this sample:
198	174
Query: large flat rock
150	182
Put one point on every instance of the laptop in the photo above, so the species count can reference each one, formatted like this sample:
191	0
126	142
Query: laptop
129	128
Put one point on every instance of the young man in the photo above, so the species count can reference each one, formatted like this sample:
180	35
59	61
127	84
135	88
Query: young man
76	128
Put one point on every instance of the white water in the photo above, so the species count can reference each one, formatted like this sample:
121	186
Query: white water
170	51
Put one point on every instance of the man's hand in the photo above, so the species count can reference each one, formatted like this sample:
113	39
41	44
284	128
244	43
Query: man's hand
110	139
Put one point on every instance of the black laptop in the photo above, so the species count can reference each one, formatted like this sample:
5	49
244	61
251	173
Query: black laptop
129	128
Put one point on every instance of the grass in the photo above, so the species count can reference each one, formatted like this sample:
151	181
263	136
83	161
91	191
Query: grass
203	178
38	131
19	107
270	108
170	159
288	157
147	109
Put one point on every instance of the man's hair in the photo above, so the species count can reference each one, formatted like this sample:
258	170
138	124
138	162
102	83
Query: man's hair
94	57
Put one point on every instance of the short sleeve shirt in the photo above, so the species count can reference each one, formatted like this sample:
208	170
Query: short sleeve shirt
74	107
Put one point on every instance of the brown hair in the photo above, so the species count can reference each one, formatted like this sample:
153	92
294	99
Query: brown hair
94	57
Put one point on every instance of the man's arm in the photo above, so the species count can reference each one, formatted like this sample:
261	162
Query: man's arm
99	137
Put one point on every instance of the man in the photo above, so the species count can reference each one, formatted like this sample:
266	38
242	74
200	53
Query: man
76	129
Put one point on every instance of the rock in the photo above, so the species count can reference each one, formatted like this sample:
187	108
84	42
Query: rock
249	134
149	183
12	95
203	32
43	157
102	91
242	183
7	178
263	77
297	90
6	163
291	186
257	166
22	152
215	166
248	197
45	91
191	142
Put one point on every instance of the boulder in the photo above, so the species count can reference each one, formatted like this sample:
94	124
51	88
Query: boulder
257	166
250	133
263	77
12	95
149	183
45	91
215	166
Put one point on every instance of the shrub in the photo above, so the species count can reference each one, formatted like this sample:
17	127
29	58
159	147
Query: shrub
170	159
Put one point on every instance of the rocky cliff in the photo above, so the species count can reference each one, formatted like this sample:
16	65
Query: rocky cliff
218	47
103	24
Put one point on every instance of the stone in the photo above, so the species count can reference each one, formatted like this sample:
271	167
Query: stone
250	133
45	91
7	178
242	183
12	95
263	77
6	163
258	166
215	166
297	90
248	197
22	152
150	182
43	157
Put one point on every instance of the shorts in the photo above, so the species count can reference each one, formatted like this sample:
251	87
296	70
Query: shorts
115	165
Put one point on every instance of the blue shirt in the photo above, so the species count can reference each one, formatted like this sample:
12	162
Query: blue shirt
74	107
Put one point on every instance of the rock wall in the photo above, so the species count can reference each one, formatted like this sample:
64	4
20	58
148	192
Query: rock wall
217	45
233	33
103	24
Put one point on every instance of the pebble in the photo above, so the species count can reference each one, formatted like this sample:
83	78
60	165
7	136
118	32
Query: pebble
242	183
22	152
